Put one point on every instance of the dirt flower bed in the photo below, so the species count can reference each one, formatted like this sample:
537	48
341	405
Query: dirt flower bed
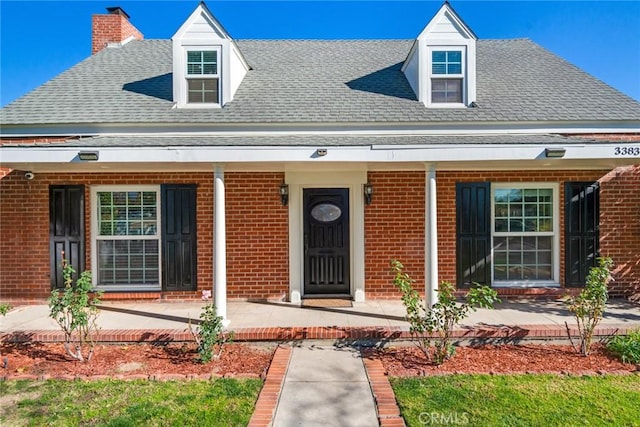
133	360
501	359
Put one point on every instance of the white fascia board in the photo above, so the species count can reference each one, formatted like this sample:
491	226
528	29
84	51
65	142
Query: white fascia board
12	155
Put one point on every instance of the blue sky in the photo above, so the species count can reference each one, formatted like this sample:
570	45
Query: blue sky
40	39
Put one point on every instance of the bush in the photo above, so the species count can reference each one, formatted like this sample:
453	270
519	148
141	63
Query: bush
4	308
209	334
442	317
626	347
76	313
588	307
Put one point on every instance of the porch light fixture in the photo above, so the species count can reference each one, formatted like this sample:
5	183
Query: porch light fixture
88	156
368	193
284	194
554	153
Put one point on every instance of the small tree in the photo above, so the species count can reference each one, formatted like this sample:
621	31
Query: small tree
209	334
442	317
76	312
588	306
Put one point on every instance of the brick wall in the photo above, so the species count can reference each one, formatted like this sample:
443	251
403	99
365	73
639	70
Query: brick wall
257	228
34	140
394	229
24	229
619	217
111	28
615	137
620	227
257	233
257	236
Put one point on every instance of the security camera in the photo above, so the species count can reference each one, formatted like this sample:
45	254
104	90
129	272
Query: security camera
29	175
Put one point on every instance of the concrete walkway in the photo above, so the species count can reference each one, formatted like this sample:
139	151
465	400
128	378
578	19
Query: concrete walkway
326	386
376	322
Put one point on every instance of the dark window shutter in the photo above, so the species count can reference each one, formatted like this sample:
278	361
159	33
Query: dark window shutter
473	229
66	231
179	241
582	230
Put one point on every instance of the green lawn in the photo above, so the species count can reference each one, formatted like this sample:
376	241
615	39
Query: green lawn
519	400
223	402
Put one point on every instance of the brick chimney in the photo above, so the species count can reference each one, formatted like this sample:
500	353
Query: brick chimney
113	27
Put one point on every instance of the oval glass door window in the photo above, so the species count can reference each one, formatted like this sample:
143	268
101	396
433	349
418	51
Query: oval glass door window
326	212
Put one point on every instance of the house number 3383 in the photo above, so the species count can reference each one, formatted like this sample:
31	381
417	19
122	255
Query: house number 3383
626	151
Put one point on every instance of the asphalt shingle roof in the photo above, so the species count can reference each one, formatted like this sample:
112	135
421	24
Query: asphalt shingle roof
306	81
311	140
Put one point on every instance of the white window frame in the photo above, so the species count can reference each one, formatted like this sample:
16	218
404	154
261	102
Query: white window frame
95	235
180	67
555	187
462	76
217	75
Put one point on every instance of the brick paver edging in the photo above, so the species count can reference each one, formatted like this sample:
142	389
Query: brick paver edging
270	394
383	396
512	333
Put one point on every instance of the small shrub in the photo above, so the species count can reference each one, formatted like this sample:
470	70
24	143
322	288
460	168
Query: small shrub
442	317
626	347
76	313
209	334
4	308
588	307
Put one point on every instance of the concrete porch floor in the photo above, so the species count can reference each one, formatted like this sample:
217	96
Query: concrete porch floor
273	321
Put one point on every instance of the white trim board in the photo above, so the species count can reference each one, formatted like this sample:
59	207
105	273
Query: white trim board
353	180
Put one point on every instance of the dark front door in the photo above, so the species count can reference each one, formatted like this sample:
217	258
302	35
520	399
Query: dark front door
326	241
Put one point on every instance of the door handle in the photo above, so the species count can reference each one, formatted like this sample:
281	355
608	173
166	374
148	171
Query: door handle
306	244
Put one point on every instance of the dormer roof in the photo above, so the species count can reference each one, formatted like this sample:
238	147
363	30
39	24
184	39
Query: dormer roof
447	24
446	34
203	25
224	68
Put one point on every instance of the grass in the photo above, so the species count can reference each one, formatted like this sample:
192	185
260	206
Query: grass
223	402
519	400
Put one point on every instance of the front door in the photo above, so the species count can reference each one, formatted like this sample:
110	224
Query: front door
326	241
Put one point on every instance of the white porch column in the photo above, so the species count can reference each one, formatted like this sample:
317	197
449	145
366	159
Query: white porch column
431	237
219	246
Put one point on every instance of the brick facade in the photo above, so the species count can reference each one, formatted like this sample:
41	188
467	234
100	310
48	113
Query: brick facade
394	228
257	228
619	217
257	236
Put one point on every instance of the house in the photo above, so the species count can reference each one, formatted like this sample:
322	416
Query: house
287	169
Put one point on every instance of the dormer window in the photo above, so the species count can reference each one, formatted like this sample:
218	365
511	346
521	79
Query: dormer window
447	76
203	78
208	66
441	65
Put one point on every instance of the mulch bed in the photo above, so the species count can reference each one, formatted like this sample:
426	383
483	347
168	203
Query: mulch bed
502	359
133	361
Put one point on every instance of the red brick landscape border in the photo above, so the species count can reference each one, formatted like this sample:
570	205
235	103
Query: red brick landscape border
270	394
383	396
286	334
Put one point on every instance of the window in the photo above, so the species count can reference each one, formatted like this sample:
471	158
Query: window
203	77
447	69
127	238
525	233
